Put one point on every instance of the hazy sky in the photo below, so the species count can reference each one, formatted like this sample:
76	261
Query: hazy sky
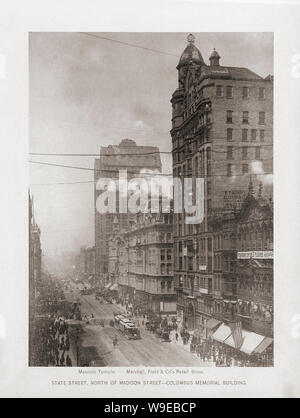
86	92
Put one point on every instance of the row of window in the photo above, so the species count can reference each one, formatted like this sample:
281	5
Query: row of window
166	286
227	91
246	133
245	117
165	254
245	153
166	268
245	169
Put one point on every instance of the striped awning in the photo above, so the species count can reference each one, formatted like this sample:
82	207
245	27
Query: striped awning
252	342
263	345
222	333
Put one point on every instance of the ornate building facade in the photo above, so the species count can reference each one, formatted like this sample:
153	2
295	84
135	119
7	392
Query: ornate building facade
222	131
35	270
141	263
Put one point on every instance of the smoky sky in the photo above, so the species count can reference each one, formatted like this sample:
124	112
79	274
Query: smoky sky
87	92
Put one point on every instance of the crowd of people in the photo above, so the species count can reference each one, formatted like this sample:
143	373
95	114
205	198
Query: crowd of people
53	343
223	356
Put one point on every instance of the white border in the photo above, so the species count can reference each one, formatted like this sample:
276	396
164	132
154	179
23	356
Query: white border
16	20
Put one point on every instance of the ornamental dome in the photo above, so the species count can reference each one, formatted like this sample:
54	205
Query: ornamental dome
214	58
191	53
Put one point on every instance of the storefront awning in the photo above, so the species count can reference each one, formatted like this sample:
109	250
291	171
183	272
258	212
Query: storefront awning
212	323
250	341
114	286
222	333
108	285
263	345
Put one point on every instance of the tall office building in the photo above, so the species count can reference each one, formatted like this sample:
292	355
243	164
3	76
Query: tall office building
222	131
125	156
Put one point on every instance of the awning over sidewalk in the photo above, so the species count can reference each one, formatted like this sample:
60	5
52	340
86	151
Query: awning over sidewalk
250	341
108	285
222	333
114	286
263	345
212	323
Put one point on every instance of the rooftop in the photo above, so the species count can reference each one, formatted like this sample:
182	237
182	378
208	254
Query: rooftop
129	154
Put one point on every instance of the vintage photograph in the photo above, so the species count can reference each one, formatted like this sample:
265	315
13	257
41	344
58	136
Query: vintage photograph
151	199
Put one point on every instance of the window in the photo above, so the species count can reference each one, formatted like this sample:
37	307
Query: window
244	153
245	92
229	134
253	134
245	117
245	168
219	91
229	153
229	170
262	93
262	118
229	116
229	92
209	244
262	135
208	188
245	135
257	153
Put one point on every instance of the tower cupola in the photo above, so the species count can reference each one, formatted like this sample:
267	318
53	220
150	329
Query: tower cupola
214	58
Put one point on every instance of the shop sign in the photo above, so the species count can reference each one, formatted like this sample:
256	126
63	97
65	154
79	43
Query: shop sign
244	255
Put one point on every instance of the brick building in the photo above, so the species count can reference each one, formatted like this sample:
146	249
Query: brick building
125	156
35	271
141	262
254	270
222	131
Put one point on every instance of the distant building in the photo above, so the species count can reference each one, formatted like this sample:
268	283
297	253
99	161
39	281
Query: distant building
222	131
89	263
125	156
141	263
35	270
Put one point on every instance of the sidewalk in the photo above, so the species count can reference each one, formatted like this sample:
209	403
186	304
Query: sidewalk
187	347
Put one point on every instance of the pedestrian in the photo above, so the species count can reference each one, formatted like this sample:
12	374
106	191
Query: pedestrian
68	361
115	341
176	336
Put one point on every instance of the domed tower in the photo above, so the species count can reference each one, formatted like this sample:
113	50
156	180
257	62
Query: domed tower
191	55
214	58
190	58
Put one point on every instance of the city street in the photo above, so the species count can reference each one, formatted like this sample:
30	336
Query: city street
148	351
